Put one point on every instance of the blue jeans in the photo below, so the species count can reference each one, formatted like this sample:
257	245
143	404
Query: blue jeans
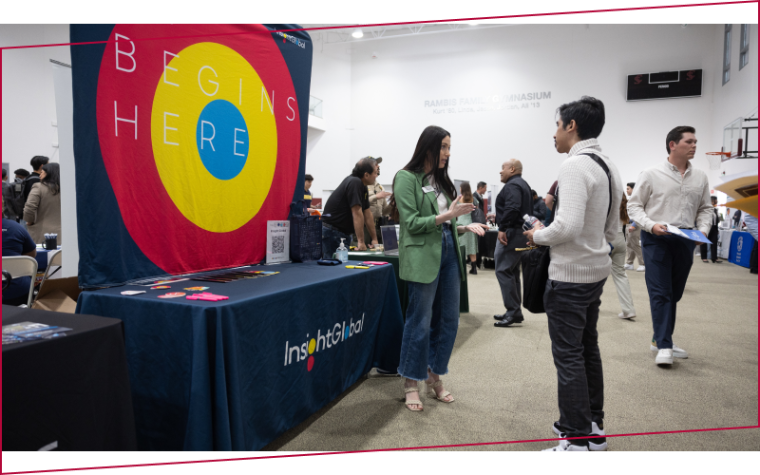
331	241
668	260
432	318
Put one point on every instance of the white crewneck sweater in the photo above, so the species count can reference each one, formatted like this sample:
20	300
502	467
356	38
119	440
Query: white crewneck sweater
581	230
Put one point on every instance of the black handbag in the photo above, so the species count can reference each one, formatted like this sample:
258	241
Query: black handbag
535	263
478	217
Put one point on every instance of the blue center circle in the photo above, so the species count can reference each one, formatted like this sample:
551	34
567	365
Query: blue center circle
222	139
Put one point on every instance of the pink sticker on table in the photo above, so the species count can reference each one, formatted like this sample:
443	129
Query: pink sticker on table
207	296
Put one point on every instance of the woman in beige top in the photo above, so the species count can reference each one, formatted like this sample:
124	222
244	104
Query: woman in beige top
42	211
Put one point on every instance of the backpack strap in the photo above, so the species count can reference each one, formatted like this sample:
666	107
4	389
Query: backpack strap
606	169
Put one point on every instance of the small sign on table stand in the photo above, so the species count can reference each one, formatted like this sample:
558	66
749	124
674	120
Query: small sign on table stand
278	242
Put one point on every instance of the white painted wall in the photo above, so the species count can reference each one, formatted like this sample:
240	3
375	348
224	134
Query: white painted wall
28	94
737	98
328	153
388	93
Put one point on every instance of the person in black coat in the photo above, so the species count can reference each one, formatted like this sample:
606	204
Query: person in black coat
539	207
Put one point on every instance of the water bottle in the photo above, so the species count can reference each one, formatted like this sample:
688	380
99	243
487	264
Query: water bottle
342	252
531	222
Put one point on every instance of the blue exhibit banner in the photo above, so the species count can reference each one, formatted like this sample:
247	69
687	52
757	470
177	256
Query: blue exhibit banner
741	248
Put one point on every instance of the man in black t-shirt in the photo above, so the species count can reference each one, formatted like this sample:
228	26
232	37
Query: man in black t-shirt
347	210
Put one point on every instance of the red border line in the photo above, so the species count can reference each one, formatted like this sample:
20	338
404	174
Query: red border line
328	454
660	7
369	25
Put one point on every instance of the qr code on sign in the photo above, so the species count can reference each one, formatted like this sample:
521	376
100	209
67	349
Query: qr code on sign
278	244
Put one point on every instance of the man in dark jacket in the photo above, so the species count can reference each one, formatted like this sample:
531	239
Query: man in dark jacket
479	195
514	202
37	163
539	207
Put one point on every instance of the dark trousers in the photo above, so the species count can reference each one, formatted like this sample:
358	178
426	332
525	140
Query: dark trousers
669	260
573	312
753	260
508	271
713	237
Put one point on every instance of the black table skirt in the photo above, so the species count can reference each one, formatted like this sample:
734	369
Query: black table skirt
68	393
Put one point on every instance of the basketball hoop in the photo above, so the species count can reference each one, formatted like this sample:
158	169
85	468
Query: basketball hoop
715	159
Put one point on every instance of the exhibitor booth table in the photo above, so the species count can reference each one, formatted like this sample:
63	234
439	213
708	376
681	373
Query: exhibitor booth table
67	393
235	374
403	286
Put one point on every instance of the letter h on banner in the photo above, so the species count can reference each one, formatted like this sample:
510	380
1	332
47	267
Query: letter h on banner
117	119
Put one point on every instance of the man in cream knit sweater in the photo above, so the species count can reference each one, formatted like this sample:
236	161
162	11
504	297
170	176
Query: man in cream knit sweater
586	220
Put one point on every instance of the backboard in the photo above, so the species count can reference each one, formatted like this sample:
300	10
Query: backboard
733	138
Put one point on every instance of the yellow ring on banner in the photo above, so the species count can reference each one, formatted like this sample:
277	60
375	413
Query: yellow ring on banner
198	75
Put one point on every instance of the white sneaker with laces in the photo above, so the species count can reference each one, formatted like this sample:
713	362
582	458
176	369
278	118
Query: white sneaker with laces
594	445
628	267
640	269
566	446
625	315
677	352
664	356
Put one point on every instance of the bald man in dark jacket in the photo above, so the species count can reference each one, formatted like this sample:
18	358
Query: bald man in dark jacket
515	200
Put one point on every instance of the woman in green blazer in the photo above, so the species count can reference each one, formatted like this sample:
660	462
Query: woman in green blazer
426	205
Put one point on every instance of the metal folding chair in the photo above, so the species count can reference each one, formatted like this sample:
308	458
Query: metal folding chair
54	261
22	266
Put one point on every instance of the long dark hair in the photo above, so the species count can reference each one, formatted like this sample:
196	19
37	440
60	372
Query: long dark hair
466	193
624	218
428	150
52	177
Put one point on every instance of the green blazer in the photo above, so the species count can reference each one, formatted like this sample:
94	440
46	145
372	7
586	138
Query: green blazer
419	247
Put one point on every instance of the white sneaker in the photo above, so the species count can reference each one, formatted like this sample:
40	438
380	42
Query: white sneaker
625	315
677	352
566	446
640	269
664	356
628	267
594	445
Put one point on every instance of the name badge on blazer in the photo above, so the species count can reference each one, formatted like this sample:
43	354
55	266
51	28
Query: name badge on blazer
428	189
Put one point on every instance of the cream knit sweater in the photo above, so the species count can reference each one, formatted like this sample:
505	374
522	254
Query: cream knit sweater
581	230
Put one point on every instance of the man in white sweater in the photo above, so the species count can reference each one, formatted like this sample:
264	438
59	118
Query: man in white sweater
674	193
586	220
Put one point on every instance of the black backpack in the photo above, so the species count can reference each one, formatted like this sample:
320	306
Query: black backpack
535	264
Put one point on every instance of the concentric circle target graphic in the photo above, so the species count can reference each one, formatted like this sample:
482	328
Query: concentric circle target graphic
200	137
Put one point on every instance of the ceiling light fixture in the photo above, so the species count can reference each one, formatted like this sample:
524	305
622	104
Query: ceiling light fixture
358	33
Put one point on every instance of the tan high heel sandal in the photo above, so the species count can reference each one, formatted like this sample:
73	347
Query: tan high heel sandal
417	402
443	396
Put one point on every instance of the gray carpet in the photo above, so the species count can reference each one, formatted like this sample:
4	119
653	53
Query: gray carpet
505	385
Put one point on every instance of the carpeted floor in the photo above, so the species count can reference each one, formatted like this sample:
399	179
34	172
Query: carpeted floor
505	386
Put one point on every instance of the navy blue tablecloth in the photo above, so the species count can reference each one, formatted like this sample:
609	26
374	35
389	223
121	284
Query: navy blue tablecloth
233	375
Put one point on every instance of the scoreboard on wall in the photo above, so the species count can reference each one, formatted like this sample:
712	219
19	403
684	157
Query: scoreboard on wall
187	140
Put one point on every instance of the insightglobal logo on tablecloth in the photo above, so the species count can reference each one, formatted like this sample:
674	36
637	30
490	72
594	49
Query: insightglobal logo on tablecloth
338	333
